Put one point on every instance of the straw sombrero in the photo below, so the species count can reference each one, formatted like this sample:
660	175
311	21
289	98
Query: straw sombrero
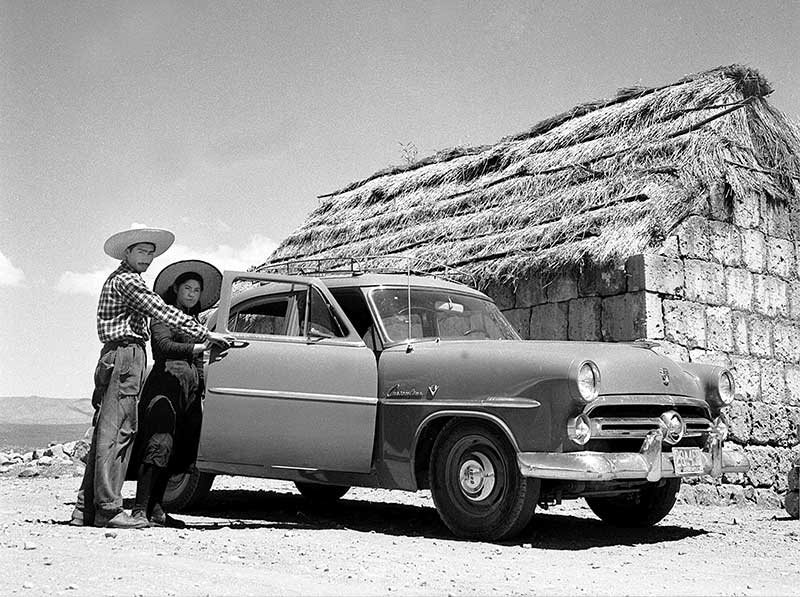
117	243
212	279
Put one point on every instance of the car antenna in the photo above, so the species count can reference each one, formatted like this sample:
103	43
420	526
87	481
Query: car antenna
409	346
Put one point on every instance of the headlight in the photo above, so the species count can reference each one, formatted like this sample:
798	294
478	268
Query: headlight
588	381
726	387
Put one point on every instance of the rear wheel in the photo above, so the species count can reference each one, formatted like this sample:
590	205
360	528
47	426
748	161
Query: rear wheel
476	484
186	490
319	493
643	508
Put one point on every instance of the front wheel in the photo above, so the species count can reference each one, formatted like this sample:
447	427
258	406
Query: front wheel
476	485
186	490
643	508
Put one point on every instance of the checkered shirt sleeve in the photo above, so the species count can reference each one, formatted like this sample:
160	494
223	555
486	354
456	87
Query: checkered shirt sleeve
126	302
144	301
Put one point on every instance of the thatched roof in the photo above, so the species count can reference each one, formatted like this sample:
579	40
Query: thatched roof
603	181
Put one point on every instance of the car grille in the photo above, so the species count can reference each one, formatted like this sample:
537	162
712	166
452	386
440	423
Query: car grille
633	421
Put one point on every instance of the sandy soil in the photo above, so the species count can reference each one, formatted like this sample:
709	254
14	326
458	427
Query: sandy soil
256	537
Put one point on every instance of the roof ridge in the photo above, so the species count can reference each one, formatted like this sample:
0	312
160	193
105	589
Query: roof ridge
750	82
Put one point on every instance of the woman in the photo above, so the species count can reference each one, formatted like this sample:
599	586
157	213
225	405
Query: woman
170	410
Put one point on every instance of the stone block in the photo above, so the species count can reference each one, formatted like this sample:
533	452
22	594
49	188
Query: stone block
605	280
754	250
655	273
549	321
719	328
786	340
775	218
792	377
584	319
501	294
794	299
745	211
654	316
694	239
770	296
739	322
780	257
705	282
670	247
673	351
529	292
740	419
739	288
759	335
709	357
561	288
762	465
783	431
624	317
521	320
720	201
685	323
773	381
762	422
747	376
726	244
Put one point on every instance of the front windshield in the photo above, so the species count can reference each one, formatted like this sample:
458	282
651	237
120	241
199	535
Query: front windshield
439	314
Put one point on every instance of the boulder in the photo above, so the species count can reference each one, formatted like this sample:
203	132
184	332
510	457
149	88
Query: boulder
28	472
45	461
81	450
68	448
55	451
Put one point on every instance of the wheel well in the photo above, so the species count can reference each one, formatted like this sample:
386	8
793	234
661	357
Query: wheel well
427	437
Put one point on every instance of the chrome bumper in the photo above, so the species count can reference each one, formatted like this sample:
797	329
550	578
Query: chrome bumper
649	463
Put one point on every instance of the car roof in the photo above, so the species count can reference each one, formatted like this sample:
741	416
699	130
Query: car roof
373	280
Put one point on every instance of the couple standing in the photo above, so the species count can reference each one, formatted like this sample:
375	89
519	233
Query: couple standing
169	416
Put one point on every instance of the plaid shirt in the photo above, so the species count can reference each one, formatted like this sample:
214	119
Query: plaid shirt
126	302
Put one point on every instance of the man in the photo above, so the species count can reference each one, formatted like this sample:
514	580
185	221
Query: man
122	311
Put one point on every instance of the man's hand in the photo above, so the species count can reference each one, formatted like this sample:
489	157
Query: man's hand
222	340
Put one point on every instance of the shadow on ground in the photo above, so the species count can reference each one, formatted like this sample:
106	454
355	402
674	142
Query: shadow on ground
271	509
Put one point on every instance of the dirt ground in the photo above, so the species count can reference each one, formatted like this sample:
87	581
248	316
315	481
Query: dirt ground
256	537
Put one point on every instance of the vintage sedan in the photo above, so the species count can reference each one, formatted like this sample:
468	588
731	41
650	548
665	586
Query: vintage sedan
413	382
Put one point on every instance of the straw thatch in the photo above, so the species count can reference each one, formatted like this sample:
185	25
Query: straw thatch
601	182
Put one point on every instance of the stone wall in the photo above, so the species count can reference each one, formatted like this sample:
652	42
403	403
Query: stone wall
723	289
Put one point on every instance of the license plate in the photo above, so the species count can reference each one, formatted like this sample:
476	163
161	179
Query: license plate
687	461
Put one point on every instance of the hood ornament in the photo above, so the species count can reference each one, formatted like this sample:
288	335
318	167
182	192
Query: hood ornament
664	375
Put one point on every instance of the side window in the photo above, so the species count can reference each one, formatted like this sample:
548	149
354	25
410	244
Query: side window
274	315
322	318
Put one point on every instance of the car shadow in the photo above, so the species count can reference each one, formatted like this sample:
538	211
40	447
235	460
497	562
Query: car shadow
548	530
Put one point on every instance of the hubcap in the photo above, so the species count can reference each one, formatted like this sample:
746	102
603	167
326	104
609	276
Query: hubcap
477	477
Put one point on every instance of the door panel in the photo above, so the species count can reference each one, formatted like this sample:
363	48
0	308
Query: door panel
290	401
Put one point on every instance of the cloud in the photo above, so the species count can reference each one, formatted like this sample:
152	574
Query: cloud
255	252
9	274
257	249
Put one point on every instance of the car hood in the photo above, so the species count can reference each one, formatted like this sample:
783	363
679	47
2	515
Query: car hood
477	367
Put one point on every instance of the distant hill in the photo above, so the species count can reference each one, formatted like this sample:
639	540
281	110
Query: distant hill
45	411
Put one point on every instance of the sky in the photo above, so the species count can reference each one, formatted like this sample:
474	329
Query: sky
224	121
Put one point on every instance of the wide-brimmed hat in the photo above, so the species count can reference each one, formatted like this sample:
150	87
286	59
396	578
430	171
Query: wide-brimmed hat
212	280
117	243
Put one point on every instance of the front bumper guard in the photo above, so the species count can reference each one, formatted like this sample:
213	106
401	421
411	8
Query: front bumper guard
648	463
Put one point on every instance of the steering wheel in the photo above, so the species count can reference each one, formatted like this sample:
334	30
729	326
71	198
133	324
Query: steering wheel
476	331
